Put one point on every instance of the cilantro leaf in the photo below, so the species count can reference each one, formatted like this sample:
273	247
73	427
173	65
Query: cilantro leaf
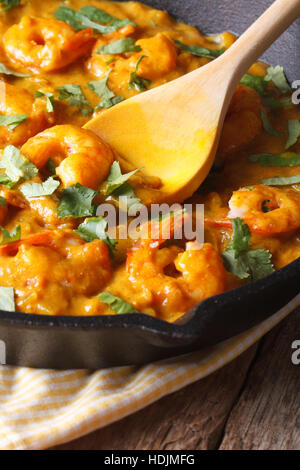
253	81
274	159
94	14
71	17
264	206
51	167
9	237
88	17
199	51
94	228
50	101
294	132
119	47
6	71
270	102
242	235
116	185
12	121
281	181
115	178
286	101
7	299
100	16
267	125
74	96
136	82
118	305
9	4
17	166
241	260
128	202
108	98
76	201
259	263
32	190
236	265
276	74
4	179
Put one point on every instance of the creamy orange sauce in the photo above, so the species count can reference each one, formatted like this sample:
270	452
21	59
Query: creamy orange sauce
65	276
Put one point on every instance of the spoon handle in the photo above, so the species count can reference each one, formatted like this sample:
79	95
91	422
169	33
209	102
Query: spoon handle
259	36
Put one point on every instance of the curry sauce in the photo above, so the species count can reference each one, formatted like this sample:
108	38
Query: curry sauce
61	65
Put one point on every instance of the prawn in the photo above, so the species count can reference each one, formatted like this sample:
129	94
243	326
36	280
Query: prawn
19	102
173	280
41	44
266	210
243	122
80	268
160	55
81	155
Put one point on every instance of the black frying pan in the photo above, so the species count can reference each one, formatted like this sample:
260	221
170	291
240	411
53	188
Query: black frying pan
93	342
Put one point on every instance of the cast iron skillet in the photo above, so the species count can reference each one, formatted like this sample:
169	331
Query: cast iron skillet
93	342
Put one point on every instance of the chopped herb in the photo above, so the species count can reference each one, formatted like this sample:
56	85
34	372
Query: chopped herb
294	132
7	299
76	201
9	4
86	111
9	237
94	228
137	82
115	178
108	98
100	16
51	167
241	260
17	166
264	206
287	102
50	101
4	179
276	74
119	47
90	17
118	305
241	236
274	159
267	125
6	71
74	96
270	102
281	181
199	51
12	121
126	195
253	81
32	190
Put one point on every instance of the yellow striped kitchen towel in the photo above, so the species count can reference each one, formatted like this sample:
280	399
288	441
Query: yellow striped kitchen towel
43	408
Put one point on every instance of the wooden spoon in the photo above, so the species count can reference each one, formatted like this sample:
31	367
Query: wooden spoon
172	131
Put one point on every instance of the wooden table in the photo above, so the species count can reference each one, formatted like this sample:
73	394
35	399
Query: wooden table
252	403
